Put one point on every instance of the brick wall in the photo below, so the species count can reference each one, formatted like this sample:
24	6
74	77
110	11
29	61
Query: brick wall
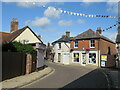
84	44
104	47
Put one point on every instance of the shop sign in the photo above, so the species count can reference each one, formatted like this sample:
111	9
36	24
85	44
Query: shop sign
103	63
104	57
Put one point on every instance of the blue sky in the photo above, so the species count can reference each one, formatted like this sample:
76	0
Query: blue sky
51	24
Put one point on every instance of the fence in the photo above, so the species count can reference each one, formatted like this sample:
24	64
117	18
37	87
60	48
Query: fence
13	64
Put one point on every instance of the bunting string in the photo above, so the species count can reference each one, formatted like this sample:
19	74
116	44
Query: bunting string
84	15
89	15
110	27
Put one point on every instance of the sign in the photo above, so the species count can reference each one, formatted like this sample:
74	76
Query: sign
104	57
103	63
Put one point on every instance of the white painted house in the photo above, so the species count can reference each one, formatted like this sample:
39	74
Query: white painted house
61	48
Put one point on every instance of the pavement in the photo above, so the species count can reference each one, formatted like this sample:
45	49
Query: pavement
26	79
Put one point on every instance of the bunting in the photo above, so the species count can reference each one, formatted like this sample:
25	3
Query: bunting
85	15
110	27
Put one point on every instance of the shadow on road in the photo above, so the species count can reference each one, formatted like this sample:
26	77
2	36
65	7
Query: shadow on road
93	79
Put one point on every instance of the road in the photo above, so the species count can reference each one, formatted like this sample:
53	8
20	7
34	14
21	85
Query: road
71	76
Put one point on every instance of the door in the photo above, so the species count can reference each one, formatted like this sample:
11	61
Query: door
59	57
83	61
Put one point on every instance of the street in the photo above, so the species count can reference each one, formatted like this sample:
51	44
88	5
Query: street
71	76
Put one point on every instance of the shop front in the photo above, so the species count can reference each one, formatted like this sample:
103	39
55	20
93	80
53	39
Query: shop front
85	58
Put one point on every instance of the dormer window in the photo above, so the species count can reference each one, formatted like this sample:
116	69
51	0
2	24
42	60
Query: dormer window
92	43
76	44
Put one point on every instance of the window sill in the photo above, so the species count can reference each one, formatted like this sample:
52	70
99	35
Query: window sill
75	47
92	47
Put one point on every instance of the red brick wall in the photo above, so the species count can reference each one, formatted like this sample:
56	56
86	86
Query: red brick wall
84	44
103	46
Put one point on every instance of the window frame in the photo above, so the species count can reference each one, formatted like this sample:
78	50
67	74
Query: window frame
75	44
92	44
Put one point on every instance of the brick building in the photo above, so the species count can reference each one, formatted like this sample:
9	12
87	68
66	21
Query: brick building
87	47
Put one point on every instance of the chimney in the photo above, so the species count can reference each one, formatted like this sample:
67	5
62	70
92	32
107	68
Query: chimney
63	36
99	31
68	33
14	25
119	29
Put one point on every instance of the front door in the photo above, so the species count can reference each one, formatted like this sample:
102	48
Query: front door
59	57
83	61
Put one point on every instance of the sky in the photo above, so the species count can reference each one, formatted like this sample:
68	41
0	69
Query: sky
44	18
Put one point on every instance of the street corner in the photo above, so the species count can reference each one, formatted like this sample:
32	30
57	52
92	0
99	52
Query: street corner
24	80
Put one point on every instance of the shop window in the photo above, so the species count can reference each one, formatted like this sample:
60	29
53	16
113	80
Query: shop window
76	44
76	57
92	43
92	58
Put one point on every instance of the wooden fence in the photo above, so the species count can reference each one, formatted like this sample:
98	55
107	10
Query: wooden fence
15	64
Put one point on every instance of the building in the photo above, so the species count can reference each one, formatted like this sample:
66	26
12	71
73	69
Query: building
118	46
87	47
61	48
24	35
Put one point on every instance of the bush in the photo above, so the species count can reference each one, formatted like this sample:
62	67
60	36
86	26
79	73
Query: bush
18	47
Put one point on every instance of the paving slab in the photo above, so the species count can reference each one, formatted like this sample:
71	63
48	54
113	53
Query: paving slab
26	79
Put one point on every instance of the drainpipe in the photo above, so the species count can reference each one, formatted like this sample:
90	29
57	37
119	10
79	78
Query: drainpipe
99	61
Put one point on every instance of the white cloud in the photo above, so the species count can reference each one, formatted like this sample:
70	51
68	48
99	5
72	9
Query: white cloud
112	7
80	21
31	4
52	12
41	22
111	36
48	30
65	23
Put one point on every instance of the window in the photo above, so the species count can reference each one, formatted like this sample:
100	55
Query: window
92	58
92	43
59	45
76	57
76	44
25	41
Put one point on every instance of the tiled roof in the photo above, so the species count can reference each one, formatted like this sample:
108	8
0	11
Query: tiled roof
63	39
8	37
3	37
118	38
90	34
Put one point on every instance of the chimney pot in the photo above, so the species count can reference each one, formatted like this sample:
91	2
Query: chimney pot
14	25
99	30
68	33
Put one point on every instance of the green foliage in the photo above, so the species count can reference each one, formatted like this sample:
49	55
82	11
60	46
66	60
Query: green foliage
18	47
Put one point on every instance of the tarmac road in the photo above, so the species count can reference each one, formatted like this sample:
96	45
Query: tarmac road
71	76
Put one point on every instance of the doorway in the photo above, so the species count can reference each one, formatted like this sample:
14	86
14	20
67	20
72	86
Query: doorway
83	59
59	57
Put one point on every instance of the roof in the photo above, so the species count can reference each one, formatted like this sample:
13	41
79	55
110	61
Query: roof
90	34
63	39
3	36
118	38
9	37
